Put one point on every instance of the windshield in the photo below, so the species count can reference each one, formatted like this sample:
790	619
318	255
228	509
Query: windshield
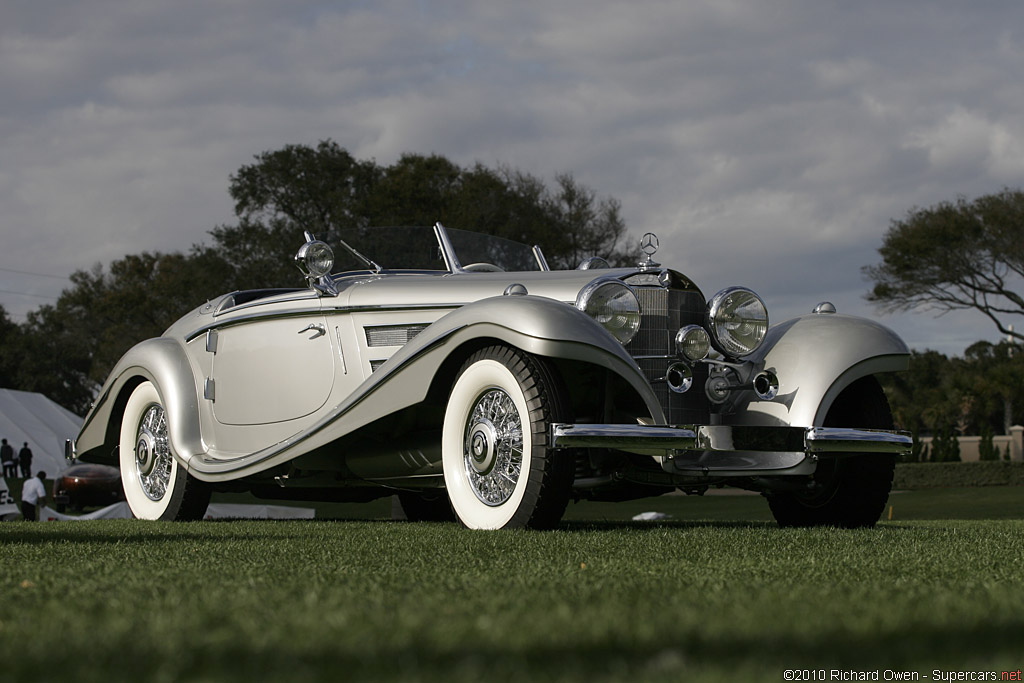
418	248
475	248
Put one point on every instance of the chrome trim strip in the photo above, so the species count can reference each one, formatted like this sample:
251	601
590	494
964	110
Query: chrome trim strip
447	250
221	324
327	310
303	295
541	261
727	438
379	308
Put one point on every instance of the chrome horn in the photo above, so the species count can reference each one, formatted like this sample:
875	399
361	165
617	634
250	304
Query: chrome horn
679	377
766	385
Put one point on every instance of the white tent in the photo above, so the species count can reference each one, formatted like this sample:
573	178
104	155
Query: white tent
31	417
214	511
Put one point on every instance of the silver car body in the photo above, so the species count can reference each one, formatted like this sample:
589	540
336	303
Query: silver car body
284	387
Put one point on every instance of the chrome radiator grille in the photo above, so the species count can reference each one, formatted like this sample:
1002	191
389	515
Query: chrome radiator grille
663	312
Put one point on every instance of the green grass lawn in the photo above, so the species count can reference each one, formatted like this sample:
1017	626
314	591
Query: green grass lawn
694	598
728	505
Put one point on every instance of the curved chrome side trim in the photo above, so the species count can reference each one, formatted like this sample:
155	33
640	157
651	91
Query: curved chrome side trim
242	319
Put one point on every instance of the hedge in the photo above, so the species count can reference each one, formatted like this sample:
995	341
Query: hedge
927	475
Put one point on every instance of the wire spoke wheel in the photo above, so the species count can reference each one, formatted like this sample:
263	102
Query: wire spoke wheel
153	453
498	471
494	447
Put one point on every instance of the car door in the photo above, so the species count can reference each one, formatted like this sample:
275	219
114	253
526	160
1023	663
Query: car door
271	366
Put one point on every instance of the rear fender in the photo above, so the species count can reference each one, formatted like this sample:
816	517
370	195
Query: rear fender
815	358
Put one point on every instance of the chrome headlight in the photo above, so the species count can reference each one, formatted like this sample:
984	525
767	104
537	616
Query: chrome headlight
613	305
692	342
737	320
315	258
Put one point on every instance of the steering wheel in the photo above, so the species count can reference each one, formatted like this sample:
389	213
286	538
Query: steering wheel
483	268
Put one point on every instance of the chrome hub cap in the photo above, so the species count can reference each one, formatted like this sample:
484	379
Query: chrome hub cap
482	441
493	447
153	457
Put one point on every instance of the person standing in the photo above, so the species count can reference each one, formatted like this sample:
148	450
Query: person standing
25	458
7	458
33	494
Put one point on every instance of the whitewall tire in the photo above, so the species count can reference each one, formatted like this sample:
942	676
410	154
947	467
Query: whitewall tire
156	486
498	470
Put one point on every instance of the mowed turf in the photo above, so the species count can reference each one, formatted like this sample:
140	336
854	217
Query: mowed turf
732	505
593	601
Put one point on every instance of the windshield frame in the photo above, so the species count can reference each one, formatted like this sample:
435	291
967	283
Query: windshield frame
448	254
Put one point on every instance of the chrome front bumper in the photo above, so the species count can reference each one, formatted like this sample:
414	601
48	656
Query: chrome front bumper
728	449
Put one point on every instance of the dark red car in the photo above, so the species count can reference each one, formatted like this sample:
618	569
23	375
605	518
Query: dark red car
87	485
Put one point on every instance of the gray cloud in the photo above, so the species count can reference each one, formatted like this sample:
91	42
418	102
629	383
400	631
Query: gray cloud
766	143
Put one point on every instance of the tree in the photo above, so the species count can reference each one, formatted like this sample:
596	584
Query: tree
9	343
954	256
325	190
994	375
321	190
55	354
67	349
926	396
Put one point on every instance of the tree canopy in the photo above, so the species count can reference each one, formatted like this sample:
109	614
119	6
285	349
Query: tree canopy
956	255
325	190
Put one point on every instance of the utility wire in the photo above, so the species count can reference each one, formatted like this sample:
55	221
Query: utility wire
39	296
26	272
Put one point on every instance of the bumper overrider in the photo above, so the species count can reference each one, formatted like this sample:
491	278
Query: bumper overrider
729	450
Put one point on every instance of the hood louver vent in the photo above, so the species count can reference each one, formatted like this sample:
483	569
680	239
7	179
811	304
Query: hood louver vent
392	335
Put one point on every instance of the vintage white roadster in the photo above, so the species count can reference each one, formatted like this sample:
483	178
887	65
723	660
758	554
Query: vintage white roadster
465	376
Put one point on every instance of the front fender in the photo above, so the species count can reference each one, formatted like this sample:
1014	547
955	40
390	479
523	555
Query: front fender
164	362
815	357
539	325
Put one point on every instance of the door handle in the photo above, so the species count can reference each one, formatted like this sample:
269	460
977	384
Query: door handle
315	327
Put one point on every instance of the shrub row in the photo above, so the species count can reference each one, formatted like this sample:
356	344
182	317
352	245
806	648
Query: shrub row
944	474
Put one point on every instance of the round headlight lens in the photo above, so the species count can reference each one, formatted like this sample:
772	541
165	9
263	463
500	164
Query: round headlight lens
692	342
613	305
738	321
317	257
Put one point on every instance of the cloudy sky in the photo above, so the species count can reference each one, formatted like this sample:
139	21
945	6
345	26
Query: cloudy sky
767	143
